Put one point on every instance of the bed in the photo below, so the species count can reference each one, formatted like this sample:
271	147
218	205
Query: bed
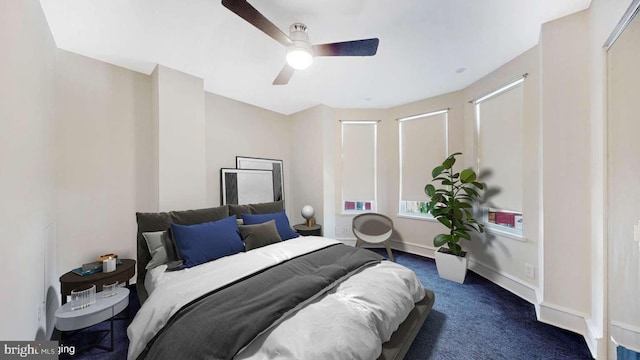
310	297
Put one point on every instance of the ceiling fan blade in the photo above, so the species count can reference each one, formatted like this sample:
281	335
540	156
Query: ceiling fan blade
284	75
243	9
367	47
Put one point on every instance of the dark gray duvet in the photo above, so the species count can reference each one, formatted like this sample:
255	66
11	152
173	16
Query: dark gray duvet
219	324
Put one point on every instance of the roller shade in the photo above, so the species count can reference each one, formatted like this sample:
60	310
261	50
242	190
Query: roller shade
359	160
423	146
500	122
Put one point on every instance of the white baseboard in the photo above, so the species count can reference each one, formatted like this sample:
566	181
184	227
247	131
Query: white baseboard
626	335
574	321
416	249
508	282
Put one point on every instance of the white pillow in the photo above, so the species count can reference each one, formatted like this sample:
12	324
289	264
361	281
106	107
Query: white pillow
155	242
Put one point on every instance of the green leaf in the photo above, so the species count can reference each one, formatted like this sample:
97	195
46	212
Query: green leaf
455	248
437	171
444	221
430	190
467	176
441	240
462	234
470	192
478	185
448	163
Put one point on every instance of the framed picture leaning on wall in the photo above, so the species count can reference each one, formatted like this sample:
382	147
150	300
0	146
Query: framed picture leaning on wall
273	165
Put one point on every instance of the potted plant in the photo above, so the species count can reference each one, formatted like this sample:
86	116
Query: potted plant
452	204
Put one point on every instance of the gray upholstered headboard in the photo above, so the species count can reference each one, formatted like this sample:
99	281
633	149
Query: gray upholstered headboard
149	222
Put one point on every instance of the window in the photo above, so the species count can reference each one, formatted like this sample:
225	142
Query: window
499	121
359	177
423	146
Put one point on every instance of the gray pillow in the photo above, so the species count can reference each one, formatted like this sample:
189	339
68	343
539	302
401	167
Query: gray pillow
199	216
258	208
259	235
156	243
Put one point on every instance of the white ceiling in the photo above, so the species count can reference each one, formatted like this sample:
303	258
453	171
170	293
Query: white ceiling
422	44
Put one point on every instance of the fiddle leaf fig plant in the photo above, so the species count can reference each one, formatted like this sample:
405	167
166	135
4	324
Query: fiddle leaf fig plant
452	203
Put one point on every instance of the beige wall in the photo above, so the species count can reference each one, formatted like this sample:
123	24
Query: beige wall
181	139
103	157
27	211
565	141
503	257
623	169
233	129
312	147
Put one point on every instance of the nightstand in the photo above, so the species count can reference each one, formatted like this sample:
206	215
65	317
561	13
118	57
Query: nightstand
105	308
305	230
121	274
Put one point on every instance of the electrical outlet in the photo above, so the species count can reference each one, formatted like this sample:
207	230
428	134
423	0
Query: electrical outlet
636	231
39	311
338	230
530	271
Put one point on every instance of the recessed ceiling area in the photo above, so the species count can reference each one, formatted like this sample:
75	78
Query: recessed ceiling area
423	44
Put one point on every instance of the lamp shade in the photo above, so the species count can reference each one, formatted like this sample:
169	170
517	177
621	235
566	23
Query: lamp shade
308	212
299	58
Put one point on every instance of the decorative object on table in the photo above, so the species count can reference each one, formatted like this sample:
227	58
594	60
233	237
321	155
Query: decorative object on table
274	165
83	296
109	265
307	213
373	228
93	267
452	204
125	270
104	257
109	290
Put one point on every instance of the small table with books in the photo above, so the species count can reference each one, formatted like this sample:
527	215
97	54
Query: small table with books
72	280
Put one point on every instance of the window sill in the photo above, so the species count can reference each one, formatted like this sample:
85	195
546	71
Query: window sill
495	230
417	217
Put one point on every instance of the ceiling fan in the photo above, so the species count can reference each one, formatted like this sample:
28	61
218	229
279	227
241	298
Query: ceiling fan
300	52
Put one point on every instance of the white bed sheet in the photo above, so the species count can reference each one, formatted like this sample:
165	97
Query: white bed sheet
364	310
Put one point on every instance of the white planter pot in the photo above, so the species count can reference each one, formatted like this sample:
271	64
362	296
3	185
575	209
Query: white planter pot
451	267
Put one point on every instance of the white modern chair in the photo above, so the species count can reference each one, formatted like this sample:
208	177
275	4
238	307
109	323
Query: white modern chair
373	228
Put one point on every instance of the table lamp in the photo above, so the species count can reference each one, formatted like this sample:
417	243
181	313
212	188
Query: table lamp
307	213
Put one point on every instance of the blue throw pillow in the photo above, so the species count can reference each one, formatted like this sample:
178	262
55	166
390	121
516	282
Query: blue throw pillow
200	243
282	223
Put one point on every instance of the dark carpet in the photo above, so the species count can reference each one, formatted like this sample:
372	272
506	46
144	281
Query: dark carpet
477	320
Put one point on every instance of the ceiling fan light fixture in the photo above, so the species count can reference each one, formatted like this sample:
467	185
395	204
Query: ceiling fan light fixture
299	58
299	55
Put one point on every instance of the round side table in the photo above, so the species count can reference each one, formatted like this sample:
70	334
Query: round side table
305	230
121	274
105	308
